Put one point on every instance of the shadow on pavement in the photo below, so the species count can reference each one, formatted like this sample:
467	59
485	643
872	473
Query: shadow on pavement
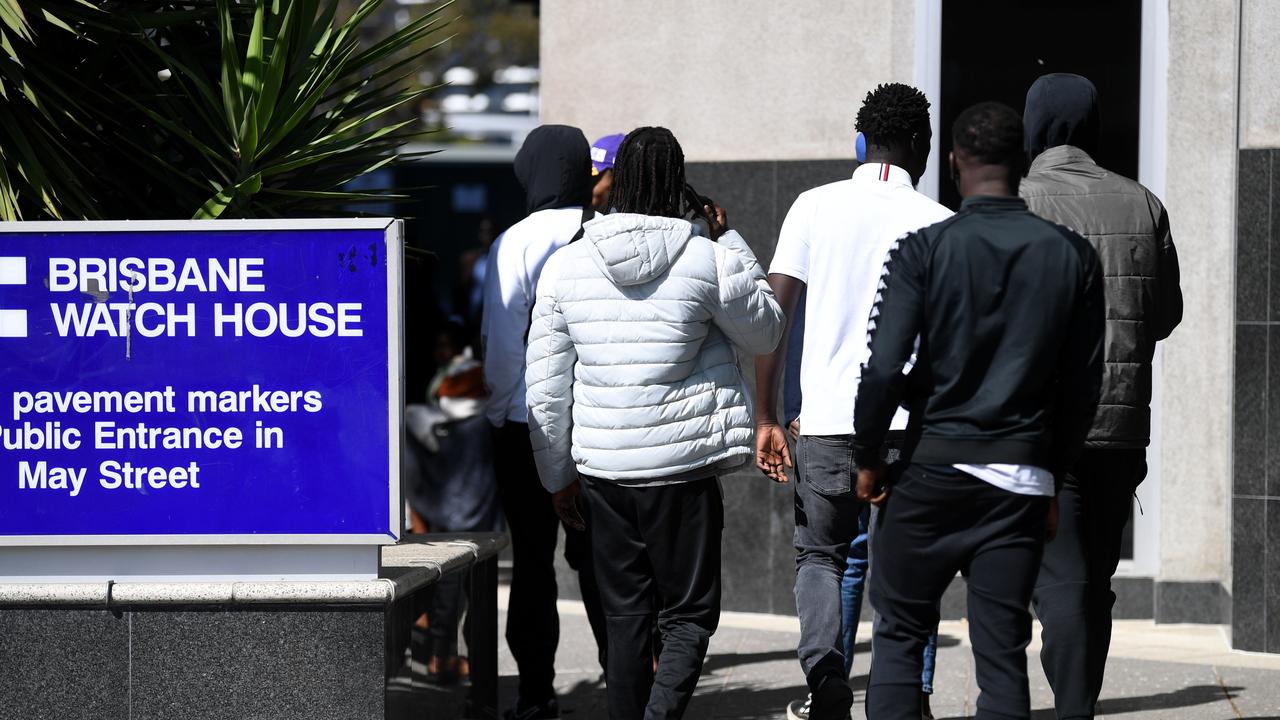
742	702
1185	697
1181	698
716	663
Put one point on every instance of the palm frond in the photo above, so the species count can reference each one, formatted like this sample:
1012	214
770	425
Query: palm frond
202	108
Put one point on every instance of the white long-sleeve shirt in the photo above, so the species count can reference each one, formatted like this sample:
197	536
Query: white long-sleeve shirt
510	284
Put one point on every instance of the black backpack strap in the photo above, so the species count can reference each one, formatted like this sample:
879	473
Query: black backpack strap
588	213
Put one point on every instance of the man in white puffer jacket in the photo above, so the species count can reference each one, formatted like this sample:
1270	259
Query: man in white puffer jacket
636	401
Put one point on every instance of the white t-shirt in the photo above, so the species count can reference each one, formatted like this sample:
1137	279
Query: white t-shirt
1020	479
835	239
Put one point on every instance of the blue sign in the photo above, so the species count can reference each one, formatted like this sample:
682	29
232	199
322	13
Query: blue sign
199	382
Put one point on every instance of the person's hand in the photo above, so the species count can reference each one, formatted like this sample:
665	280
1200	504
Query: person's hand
872	484
717	220
794	430
772	453
1051	521
566	505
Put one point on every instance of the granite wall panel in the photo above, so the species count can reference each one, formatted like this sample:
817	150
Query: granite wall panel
308	665
1255	531
304	664
1248	582
1253	237
1249	441
70	665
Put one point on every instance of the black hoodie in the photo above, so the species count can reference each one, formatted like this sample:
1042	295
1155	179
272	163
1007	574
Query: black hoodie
554	167
1061	109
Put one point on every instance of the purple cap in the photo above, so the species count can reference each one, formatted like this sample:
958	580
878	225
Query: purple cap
604	151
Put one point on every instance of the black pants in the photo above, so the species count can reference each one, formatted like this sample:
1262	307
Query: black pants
1073	596
938	521
533	624
655	549
577	553
448	600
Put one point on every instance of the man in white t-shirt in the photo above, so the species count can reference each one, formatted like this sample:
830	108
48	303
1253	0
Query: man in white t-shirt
833	246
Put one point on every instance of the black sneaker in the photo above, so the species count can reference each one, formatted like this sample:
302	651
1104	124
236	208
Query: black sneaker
831	701
549	710
799	709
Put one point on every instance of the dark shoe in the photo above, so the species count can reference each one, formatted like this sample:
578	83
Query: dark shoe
926	713
549	710
831	701
799	709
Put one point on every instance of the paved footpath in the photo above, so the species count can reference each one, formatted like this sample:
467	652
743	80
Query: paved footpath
1170	672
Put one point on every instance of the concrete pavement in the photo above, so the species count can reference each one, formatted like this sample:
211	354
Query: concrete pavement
1170	672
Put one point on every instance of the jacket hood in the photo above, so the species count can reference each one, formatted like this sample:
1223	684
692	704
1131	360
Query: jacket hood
1062	109
554	167
634	249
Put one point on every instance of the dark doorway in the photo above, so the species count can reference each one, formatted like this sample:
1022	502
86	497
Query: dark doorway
995	49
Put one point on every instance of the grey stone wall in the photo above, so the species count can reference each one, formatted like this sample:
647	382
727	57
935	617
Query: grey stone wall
1255	596
93	664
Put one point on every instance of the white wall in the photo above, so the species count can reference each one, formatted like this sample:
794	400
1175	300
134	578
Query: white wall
742	80
1260	88
1198	358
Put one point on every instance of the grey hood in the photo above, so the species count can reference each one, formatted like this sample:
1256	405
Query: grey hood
633	249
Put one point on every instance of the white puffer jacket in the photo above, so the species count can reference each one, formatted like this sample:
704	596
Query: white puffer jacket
631	367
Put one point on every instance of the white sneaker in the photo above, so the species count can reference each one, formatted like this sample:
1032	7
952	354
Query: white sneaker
799	709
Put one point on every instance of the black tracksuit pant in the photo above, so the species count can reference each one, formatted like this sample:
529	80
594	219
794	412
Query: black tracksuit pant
1073	596
936	522
533	624
657	553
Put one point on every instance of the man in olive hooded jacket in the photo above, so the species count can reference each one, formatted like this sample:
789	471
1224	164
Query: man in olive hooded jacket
1129	227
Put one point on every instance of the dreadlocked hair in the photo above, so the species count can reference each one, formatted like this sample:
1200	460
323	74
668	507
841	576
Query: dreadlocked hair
893	112
991	133
648	174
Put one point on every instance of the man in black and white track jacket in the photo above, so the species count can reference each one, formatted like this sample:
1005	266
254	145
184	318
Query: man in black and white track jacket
1008	312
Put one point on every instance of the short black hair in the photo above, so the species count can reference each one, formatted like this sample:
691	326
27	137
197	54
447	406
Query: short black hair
991	133
648	174
893	112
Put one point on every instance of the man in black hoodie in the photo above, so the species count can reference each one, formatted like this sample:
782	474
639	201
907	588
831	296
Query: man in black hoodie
1130	230
1006	310
554	166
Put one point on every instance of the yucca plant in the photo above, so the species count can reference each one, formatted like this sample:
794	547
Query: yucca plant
40	172
214	108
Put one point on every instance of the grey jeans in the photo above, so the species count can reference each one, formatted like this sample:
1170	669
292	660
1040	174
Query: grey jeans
826	510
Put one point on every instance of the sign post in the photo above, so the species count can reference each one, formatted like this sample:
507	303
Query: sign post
231	388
